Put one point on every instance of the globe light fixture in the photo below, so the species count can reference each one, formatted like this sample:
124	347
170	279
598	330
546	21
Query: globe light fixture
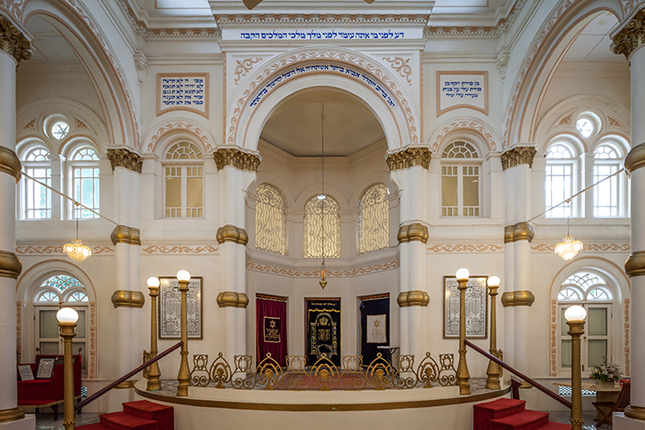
183	275
67	315
153	282
493	281
462	273
575	313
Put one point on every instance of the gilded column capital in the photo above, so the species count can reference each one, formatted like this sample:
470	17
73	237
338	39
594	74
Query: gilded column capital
635	264
411	156
10	163
519	231
128	299
125	158
413	232
635	158
413	298
231	299
13	414
518	155
230	233
13	42
517	298
232	156
631	36
125	234
10	265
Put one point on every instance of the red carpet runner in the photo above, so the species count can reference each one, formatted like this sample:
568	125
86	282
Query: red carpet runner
509	414
140	415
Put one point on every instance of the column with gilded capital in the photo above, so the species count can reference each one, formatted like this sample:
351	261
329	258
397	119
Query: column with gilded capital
630	41
14	47
237	169
127	297
517	162
409	170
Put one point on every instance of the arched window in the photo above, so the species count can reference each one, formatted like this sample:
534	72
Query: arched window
593	291
322	227
270	220
184	167
84	167
460	167
560	179
607	201
374	219
36	199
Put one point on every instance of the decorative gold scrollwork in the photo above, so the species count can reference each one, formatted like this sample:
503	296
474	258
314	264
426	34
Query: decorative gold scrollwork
428	371
406	377
324	373
447	374
352	377
268	373
379	373
199	377
146	356
243	377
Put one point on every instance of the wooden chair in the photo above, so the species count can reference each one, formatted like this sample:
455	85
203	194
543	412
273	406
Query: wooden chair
618	406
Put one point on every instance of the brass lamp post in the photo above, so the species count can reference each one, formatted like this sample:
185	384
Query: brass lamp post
462	369
183	377
67	318
492	381
154	383
575	316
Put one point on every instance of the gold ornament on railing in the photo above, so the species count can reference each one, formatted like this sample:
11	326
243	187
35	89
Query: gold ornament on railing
76	250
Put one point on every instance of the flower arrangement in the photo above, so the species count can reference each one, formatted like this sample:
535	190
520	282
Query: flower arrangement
607	372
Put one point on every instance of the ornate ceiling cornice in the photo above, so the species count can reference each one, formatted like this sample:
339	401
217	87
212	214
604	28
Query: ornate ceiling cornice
279	20
413	156
631	36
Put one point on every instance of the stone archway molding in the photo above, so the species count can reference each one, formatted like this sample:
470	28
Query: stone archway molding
170	125
472	124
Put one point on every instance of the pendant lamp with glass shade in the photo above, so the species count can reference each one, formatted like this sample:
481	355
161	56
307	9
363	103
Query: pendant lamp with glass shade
322	199
76	250
569	247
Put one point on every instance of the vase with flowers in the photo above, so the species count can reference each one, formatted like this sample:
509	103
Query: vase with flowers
605	374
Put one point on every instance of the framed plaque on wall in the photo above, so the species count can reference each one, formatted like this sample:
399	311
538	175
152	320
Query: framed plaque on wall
476	308
170	308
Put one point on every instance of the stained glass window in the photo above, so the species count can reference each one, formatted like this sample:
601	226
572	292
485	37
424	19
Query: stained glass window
374	219
270	220
322	227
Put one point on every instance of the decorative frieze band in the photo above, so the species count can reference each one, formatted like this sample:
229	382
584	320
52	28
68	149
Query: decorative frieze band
13	42
631	36
635	158
231	299
415	156
10	163
128	299
518	155
125	158
236	158
517	298
413	298
413	232
10	265
230	233
125	234
519	231
635	264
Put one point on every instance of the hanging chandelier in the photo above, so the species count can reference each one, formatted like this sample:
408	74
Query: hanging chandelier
322	199
76	250
569	247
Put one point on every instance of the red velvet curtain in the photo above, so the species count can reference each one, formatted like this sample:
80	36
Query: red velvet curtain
271	328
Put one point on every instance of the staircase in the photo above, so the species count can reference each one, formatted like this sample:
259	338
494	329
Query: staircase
509	414
140	415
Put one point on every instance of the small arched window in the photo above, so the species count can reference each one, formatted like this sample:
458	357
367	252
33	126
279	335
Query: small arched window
322	227
84	166
270	220
184	165
560	180
374	219
460	168
37	199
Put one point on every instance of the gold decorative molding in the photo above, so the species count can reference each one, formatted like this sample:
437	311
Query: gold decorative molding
128	299
125	234
635	158
161	249
466	247
125	158
13	414
230	233
257	267
44	250
620	247
413	232
508	233
414	156
14	43
231	299
635	264
635	412
10	265
518	155
413	298
630	37
517	298
236	158
10	163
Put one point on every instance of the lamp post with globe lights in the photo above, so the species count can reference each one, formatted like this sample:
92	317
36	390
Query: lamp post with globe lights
154	374
462	368
183	377
67	318
575	316
492	380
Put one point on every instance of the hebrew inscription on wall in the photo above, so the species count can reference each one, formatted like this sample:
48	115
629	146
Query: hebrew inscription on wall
188	91
466	89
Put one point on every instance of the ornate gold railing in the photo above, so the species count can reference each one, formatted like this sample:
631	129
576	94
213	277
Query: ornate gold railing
324	375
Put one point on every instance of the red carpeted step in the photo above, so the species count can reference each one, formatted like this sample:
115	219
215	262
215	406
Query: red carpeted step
95	426
164	415
500	408
125	421
525	420
555	426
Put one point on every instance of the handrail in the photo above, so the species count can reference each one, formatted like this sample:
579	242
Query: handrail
520	374
104	390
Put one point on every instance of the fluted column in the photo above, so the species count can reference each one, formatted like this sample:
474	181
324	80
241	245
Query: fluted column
236	171
409	170
517	162
13	48
629	41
